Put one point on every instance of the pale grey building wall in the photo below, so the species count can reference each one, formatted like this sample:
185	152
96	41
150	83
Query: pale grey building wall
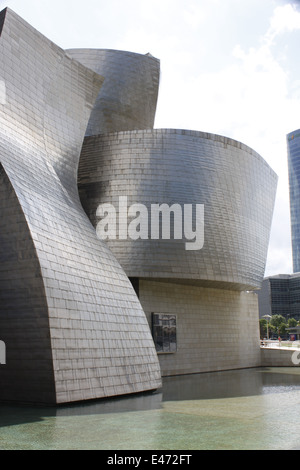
264	298
217	329
280	357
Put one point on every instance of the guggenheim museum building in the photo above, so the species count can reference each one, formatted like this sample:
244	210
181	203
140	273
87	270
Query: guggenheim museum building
127	253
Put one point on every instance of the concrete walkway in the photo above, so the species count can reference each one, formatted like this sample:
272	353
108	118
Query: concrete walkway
290	345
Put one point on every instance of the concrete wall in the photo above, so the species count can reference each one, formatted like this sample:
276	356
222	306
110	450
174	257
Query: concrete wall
279	357
216	329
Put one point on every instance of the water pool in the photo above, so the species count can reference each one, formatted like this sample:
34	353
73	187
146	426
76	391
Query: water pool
232	410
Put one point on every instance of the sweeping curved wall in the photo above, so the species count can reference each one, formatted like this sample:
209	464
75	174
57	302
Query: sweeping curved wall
76	131
172	166
127	100
72	324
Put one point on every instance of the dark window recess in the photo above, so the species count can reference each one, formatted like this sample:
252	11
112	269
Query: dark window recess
135	284
164	332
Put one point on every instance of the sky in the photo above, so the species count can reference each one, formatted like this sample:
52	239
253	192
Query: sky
229	67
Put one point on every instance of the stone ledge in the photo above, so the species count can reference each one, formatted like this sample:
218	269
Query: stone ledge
279	356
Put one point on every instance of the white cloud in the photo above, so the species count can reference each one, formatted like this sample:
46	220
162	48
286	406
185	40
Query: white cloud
194	14
249	99
285	19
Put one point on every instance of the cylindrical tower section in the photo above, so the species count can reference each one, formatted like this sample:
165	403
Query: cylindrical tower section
186	168
129	94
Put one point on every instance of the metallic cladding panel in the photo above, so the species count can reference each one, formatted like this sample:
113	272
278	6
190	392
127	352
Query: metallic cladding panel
170	166
293	147
128	97
96	337
24	324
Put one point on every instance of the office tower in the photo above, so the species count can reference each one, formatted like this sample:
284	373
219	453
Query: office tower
293	146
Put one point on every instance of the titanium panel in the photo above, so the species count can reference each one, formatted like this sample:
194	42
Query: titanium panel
234	183
128	97
24	322
80	306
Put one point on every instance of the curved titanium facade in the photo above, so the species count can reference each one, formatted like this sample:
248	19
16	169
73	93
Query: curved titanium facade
170	166
128	97
293	146
72	324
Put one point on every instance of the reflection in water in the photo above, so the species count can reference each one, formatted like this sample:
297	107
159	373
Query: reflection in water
228	384
242	409
141	402
11	415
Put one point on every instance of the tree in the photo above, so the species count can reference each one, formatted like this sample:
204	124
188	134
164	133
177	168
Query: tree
263	327
292	322
276	321
282	328
277	325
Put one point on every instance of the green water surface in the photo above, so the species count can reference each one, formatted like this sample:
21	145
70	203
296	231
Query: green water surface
248	409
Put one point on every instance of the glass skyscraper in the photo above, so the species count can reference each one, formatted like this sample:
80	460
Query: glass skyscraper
280	295
293	145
